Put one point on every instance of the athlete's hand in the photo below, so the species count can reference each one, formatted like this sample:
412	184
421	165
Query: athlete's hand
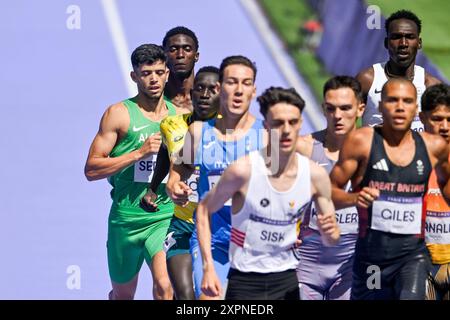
366	196
151	145
328	228
179	193
211	284
148	201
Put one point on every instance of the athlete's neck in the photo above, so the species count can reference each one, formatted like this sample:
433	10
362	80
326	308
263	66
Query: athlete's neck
393	70
233	123
332	141
395	137
178	89
156	106
277	162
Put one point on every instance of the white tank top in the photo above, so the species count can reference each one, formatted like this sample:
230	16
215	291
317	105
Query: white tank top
372	116
264	231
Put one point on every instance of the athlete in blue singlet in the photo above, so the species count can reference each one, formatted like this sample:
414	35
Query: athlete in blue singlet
213	146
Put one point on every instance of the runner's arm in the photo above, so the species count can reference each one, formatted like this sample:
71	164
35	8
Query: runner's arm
182	166
326	216
161	169
346	168
233	178
98	164
443	169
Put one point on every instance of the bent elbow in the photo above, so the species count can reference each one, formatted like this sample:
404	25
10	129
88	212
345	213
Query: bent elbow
90	174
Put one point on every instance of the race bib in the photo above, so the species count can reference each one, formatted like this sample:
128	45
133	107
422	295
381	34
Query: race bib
267	235
347	219
417	125
144	169
212	181
399	215
437	227
192	182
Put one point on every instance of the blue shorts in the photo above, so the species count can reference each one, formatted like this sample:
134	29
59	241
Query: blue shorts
221	263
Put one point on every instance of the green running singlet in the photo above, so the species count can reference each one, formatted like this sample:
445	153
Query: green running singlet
133	233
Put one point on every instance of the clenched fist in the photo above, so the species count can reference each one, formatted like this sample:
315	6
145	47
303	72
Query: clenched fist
151	145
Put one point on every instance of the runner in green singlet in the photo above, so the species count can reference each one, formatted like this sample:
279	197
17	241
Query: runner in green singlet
124	151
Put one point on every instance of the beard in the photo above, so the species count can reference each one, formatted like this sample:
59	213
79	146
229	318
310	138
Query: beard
152	97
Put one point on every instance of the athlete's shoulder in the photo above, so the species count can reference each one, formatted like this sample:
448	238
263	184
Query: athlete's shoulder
318	173
365	78
435	143
241	168
116	115
118	107
431	80
304	145
359	140
195	128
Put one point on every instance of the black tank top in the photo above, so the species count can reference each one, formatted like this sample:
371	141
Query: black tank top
393	226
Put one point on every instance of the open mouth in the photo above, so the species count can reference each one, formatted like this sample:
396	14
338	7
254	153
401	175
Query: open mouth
399	120
237	102
204	105
403	55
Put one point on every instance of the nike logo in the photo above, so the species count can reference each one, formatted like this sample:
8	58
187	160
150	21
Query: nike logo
322	164
136	129
377	91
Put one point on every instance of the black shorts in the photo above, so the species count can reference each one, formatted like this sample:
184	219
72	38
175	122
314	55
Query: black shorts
404	279
262	286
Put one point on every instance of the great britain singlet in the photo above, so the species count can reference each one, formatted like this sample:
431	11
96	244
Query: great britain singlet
393	226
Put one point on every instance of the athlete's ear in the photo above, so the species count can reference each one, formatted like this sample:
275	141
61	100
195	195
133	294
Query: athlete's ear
360	109
420	44
323	108
254	92
197	55
217	87
386	43
133	76
167	74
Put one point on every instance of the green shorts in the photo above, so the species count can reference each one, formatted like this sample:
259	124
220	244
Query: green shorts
131	239
178	236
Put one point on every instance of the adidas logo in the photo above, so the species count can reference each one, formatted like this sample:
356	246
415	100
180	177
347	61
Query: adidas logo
381	165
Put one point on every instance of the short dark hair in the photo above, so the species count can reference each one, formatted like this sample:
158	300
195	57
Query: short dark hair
147	54
403	14
274	95
180	30
231	60
439	94
209	69
339	82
